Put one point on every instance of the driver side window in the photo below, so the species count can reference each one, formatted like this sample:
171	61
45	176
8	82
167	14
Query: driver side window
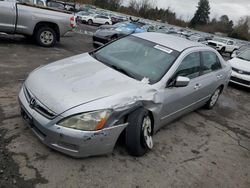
190	66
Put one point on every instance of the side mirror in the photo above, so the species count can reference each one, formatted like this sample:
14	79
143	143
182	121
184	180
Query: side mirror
181	81
233	55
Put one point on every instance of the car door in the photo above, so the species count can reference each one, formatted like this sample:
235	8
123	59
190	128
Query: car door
180	100
98	19
230	46
212	73
7	16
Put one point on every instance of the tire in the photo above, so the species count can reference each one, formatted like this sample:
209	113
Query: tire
222	50
232	53
90	22
139	133
46	37
213	99
106	23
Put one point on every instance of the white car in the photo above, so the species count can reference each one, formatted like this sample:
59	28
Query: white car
223	45
81	16
241	69
96	19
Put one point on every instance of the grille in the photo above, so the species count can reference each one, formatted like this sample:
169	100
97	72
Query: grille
240	71
240	80
40	108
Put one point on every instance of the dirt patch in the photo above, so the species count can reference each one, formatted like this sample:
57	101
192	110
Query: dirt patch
9	169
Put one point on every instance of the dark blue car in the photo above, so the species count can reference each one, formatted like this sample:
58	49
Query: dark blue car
107	33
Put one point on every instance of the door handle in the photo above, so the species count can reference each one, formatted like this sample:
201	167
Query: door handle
219	77
197	86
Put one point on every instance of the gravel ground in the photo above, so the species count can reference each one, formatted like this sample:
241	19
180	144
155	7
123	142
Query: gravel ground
201	149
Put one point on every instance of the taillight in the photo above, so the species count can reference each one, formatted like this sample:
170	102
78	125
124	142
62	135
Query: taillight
72	22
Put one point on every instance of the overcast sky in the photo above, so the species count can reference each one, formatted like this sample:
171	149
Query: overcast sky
186	8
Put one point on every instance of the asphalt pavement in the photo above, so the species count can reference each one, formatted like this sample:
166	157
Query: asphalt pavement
202	149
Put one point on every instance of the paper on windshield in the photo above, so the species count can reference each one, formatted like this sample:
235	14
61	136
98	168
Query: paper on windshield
164	49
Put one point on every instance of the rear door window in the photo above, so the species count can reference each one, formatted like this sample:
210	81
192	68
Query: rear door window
210	62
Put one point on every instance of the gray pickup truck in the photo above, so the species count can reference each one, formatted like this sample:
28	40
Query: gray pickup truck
45	25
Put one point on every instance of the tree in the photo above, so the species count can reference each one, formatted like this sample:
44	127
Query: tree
108	4
241	31
201	16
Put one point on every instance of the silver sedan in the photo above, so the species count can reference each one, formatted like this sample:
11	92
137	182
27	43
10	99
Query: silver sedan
135	85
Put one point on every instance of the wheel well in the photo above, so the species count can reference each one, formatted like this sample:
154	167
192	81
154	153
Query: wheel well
50	25
124	119
150	115
114	36
222	87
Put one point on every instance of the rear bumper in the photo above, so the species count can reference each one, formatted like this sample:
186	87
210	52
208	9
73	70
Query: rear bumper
72	142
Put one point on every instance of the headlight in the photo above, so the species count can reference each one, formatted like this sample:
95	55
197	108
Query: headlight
90	121
219	45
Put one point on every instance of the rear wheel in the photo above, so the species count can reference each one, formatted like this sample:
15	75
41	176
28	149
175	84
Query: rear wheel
214	98
90	22
46	37
106	23
222	50
139	132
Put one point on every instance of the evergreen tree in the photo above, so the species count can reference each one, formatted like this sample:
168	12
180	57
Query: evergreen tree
201	16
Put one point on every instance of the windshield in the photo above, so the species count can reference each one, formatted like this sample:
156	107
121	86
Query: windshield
125	30
245	55
120	24
138	58
220	40
243	48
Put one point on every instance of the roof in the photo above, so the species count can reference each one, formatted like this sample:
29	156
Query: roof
173	42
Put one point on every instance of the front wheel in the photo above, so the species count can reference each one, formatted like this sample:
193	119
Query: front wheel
45	37
214	98
139	132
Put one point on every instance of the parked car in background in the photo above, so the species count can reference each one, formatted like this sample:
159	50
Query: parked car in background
241	68
81	15
108	33
198	38
96	19
135	85
223	45
185	32
178	35
57	5
46	28
116	19
241	49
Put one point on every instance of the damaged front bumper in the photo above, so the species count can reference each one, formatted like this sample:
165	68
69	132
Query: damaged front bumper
72	142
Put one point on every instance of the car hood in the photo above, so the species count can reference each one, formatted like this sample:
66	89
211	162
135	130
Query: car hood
240	64
77	80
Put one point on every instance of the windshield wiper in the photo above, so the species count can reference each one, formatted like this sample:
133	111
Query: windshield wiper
113	66
122	71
